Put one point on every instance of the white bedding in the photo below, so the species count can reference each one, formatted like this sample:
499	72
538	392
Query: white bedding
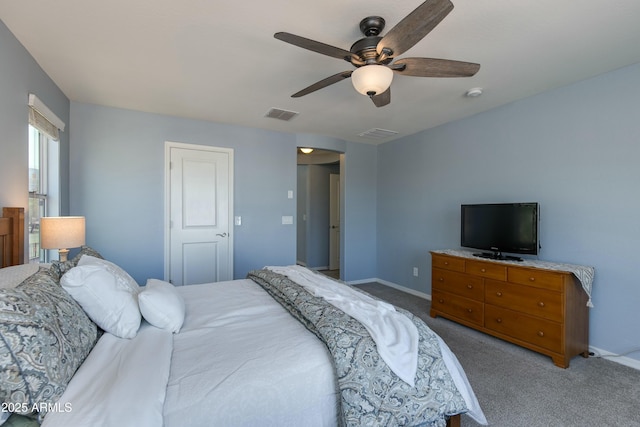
240	359
121	383
396	336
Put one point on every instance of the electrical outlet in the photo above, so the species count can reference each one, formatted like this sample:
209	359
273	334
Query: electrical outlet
415	271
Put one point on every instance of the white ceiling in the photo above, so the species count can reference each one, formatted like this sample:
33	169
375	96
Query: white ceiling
218	60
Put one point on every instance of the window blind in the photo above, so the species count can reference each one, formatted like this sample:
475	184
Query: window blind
42	118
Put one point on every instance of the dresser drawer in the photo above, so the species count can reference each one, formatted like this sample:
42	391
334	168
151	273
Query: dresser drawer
447	262
538	278
458	283
540	332
530	300
457	306
487	269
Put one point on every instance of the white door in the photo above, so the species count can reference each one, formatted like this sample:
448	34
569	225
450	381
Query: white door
198	241
334	221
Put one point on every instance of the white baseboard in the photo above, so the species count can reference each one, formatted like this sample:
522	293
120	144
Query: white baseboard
392	285
304	264
360	282
320	268
623	360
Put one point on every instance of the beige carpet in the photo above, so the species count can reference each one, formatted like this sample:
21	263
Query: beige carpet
517	387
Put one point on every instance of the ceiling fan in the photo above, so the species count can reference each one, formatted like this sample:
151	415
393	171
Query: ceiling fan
373	55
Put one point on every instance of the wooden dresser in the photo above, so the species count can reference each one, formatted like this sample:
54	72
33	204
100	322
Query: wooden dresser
543	310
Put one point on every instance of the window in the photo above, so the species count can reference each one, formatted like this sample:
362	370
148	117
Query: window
37	190
44	188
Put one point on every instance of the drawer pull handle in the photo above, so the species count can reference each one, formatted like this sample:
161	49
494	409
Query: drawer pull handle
499	294
484	270
469	310
540	334
446	263
532	279
499	320
440	279
541	304
441	301
469	286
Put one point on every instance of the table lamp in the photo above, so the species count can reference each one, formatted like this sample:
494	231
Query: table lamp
62	233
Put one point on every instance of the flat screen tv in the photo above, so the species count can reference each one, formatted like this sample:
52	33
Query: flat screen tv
500	227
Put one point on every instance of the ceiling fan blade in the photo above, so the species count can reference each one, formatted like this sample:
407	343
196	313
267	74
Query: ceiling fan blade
383	99
430	67
315	46
414	27
323	83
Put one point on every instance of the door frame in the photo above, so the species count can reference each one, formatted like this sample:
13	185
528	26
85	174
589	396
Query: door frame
334	203
168	145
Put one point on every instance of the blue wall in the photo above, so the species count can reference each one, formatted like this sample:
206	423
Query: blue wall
20	75
358	206
117	177
117	182
575	150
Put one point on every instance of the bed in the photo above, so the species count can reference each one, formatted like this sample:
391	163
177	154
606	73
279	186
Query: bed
267	350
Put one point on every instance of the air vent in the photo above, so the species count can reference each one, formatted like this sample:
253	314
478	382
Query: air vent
276	113
376	133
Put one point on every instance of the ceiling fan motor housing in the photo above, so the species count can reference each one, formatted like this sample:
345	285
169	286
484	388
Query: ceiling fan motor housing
372	25
365	48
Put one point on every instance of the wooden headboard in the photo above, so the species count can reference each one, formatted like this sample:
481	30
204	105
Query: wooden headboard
12	237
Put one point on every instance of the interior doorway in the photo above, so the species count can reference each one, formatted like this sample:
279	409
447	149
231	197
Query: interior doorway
318	211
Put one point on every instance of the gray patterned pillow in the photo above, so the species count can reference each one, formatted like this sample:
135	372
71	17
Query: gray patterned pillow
58	268
44	337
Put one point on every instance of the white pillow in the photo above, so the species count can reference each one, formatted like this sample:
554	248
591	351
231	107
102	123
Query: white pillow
162	305
106	302
124	281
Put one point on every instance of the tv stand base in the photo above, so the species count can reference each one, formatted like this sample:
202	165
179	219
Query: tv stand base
497	256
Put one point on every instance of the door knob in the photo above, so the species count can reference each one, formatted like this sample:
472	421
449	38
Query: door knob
222	235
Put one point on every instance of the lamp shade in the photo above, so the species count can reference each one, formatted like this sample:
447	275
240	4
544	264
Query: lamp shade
372	79
62	232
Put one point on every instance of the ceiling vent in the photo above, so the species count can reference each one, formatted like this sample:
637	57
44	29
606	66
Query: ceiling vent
376	133
276	113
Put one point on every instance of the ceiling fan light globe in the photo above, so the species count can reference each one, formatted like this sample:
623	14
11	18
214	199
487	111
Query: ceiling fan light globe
370	79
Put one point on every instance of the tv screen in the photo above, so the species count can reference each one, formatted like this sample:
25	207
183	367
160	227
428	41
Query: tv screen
500	227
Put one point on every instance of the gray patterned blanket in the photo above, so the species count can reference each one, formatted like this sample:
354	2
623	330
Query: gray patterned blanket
371	394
